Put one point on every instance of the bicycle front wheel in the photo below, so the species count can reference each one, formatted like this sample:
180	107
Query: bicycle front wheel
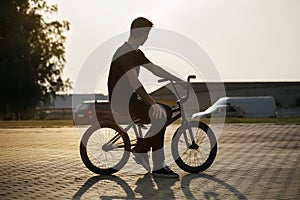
104	148
194	151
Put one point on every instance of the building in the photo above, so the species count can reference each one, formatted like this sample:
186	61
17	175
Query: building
286	94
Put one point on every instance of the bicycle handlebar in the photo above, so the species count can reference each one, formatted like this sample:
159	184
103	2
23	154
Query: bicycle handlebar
162	80
191	77
182	99
188	79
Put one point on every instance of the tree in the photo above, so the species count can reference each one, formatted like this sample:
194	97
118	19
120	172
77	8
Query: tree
32	55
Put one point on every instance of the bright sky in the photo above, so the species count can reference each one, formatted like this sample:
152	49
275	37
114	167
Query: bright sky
248	40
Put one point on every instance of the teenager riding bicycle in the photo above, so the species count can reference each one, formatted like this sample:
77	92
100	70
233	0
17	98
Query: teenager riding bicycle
123	80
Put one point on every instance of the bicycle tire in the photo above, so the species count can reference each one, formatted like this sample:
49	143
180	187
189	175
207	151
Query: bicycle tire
91	148
180	151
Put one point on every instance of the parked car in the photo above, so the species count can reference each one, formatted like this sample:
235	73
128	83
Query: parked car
222	111
88	112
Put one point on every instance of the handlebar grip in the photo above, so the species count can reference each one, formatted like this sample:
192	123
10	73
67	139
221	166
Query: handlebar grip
191	77
162	80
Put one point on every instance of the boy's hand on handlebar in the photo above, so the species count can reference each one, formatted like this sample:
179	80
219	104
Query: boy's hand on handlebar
157	111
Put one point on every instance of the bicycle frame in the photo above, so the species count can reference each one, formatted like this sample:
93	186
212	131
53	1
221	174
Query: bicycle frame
178	111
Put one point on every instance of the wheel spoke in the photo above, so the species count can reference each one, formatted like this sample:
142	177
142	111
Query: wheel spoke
103	149
200	154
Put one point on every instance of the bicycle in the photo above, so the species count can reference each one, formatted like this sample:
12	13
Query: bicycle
105	147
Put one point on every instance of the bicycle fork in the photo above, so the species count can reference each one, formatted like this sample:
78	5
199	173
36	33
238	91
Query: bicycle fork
193	144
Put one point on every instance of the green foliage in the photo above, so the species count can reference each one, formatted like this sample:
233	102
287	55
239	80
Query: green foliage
32	55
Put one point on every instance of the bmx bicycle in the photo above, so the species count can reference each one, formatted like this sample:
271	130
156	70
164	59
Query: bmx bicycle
105	147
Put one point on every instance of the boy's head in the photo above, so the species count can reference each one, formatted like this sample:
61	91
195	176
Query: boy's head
140	28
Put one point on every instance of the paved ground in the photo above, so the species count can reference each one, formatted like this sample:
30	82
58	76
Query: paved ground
253	162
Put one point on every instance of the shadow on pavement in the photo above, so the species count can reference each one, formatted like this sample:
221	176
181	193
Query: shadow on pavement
112	184
192	185
210	188
147	189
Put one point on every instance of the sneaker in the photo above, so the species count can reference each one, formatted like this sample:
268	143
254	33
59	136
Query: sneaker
142	159
165	172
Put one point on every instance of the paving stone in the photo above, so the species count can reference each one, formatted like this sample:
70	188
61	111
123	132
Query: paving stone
254	161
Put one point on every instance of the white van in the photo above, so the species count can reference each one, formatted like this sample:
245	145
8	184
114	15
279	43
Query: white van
261	106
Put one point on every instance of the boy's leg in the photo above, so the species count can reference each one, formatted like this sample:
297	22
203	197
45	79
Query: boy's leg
157	142
158	155
139	110
155	135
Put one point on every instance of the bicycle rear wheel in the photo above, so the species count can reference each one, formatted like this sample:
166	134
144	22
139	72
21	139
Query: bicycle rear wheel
197	153
104	148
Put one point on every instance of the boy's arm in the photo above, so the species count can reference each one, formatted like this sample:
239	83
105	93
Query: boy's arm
160	72
140	90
